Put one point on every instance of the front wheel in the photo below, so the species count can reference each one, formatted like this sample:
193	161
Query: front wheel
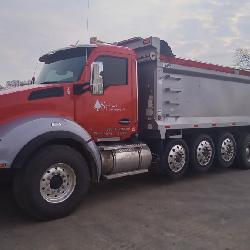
53	183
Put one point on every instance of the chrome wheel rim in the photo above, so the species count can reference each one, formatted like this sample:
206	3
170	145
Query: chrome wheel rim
177	158
204	153
228	150
248	153
57	183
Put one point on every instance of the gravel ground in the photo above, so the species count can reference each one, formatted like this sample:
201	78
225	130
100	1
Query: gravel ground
210	211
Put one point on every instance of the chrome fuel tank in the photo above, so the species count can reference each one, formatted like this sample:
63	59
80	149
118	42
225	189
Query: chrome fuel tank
119	158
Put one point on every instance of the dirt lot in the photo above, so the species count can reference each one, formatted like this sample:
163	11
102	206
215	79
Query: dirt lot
211	211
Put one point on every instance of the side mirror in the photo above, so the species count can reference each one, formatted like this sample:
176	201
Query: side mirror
96	81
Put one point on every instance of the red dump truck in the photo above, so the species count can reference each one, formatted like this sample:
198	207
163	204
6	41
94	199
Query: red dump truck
101	111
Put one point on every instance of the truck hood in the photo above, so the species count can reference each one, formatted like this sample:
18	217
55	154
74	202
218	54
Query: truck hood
34	100
20	89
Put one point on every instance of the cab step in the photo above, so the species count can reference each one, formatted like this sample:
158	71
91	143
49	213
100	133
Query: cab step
119	175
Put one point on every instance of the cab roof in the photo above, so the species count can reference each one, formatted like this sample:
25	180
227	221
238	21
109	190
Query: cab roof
82	46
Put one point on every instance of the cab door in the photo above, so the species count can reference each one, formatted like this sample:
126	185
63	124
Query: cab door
108	110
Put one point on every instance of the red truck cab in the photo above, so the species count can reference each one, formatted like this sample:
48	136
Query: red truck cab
94	85
103	90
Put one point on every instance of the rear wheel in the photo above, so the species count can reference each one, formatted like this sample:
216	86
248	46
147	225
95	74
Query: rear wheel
226	150
202	153
53	183
243	151
176	158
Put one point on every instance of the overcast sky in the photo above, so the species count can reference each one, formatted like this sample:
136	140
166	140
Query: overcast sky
207	30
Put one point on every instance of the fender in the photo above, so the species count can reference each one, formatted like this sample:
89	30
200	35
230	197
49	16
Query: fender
22	137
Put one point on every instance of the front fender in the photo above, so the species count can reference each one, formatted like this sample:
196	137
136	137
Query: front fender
27	134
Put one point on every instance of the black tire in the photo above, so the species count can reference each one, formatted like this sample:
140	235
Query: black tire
6	176
28	182
225	150
242	160
181	157
200	149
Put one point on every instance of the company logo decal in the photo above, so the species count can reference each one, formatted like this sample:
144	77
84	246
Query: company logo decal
104	106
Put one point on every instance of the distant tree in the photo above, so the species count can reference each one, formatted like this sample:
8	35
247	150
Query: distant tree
242	59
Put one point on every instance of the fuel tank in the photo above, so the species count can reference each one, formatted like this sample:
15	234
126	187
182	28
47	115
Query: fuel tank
120	158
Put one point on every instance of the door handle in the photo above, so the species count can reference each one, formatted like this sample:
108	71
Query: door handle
124	121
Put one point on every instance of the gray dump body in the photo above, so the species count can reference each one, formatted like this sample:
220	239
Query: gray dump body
173	96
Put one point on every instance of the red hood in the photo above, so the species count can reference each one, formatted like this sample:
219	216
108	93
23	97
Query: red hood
18	89
35	100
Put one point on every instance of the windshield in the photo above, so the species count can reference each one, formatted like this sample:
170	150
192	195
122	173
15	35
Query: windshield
62	66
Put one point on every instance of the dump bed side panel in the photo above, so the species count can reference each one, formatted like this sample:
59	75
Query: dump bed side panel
204	96
191	97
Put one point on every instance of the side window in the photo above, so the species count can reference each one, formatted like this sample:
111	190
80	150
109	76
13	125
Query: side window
115	70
